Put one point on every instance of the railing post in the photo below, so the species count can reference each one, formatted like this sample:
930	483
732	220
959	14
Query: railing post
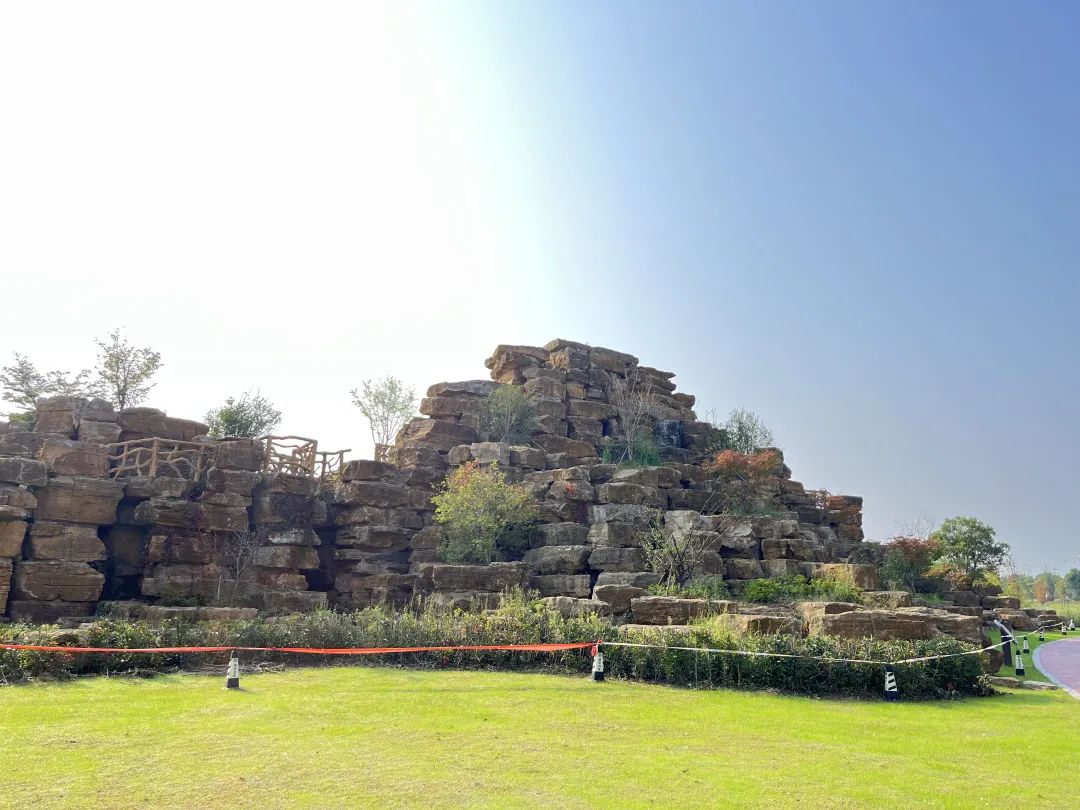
153	457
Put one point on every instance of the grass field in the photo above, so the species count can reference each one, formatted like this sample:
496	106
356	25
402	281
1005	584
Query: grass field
347	737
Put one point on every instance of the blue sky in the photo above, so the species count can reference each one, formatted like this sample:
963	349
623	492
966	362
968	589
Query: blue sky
858	219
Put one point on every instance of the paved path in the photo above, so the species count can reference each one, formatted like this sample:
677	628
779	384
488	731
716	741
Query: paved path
1060	662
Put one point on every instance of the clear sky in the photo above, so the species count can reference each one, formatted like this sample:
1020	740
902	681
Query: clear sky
861	220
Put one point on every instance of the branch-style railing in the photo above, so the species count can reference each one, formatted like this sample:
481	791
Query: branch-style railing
159	457
288	455
298	455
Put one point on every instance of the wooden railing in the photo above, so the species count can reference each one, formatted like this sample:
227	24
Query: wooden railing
298	455
159	457
288	455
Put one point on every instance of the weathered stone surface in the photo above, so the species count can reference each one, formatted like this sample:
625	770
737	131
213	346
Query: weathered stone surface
239	454
496	577
575	585
98	432
36	612
282	509
1016	619
371	493
610	558
12	533
571	447
545	388
186	547
619	513
740	568
17	498
293	558
298	536
674	610
905	623
147	423
698	500
861	576
780	568
126	546
759	624
67	457
435	434
464	600
887	599
560	534
527	457
508	363
21	443
637	579
558	559
59	415
283	603
588	409
994	602
5	583
65	581
491	453
610	360
71	542
79	500
964	598
367	470
186	514
141	486
621	492
624	535
810	609
618	597
570	607
474	388
374	538
15	470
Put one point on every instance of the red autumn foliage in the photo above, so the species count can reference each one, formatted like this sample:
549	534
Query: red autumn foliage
731	465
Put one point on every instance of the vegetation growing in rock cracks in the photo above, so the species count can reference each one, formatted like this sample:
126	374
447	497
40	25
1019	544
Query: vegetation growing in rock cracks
506	415
484	517
250	416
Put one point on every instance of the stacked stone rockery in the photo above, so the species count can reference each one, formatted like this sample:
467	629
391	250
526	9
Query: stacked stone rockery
59	572
377	509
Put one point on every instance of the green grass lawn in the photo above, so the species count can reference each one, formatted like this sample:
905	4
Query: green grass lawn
1030	672
355	736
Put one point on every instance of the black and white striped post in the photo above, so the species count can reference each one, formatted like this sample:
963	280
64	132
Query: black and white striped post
1064	629
891	692
1019	667
1027	649
232	675
597	664
1042	634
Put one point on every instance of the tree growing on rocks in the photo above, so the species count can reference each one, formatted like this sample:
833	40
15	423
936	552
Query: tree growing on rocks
506	415
387	404
676	549
23	385
633	399
124	372
908	559
484	518
746	432
968	548
740	477
250	416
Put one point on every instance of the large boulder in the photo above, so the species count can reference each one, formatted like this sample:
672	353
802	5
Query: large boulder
149	423
495	578
435	435
66	457
558	559
570	607
618	597
861	576
675	610
191	515
79	500
560	534
43	581
575	585
759	624
887	599
610	558
12	533
59	415
71	542
16	470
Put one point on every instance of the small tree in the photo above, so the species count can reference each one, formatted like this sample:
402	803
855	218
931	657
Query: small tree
484	517
632	397
506	415
250	416
124	372
23	385
675	548
907	560
387	404
1072	583
740	476
968	547
1043	594
746	432
236	553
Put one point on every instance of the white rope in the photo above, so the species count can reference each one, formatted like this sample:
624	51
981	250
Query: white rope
757	654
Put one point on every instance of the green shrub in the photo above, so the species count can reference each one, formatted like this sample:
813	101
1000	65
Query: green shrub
794	588
521	620
701	589
643	452
507	415
484	518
